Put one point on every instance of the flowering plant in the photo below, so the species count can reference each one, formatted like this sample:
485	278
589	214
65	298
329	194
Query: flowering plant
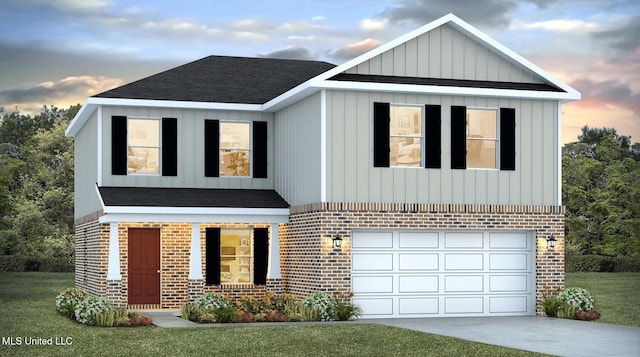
213	301
587	315
325	303
86	311
580	298
68	301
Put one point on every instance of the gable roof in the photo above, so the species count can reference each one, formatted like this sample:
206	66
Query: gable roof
222	79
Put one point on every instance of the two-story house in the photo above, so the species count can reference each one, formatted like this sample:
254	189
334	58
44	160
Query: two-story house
433	159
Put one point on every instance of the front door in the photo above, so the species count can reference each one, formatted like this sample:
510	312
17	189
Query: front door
144	266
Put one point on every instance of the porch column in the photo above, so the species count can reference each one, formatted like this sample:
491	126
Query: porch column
273	268
196	281
114	277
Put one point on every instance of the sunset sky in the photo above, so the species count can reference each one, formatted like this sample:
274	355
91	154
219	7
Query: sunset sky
60	52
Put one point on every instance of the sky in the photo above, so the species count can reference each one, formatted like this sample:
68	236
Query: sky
59	52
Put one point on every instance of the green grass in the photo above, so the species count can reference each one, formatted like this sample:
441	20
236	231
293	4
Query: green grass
27	309
616	295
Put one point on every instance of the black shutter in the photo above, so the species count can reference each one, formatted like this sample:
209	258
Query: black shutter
260	255
458	137
507	139
118	145
169	147
212	253
212	148
433	136
381	118
260	149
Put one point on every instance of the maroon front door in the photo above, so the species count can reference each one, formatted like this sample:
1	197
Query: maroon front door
144	266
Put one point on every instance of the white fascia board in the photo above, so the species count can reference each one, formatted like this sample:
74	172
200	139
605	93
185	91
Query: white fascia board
80	119
194	214
292	95
100	197
444	90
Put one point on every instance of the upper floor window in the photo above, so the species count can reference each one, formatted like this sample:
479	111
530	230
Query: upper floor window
143	146
405	136
482	138
235	149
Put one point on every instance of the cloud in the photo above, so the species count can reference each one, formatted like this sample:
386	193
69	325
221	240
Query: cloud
562	25
608	93
64	92
493	13
624	38
368	25
355	49
292	52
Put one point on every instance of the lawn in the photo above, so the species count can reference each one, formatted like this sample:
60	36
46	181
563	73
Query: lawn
27	302
616	295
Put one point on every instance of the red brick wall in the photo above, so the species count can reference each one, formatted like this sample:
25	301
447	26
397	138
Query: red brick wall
91	253
309	263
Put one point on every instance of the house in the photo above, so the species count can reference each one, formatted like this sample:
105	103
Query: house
435	159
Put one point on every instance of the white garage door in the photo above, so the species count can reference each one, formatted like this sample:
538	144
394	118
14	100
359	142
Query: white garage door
447	273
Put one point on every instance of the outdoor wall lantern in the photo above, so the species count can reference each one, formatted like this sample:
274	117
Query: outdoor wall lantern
337	241
551	242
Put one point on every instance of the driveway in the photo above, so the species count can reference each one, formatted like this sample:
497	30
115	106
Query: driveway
539	334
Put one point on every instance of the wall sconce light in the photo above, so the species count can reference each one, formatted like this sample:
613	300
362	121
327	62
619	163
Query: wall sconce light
337	241
551	242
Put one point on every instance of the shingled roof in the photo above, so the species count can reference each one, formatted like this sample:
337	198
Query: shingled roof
223	79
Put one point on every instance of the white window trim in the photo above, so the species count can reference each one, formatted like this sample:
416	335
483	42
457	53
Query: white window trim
422	136
159	147
250	150
251	256
496	139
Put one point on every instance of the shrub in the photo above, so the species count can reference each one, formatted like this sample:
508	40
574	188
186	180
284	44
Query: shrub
587	315
192	312
325	304
344	309
566	311
212	301
297	311
627	264
68	301
278	302
110	317
224	314
86	311
252	305
135	320
240	317
275	316
578	297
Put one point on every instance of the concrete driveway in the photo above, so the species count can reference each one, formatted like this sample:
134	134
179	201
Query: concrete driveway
539	334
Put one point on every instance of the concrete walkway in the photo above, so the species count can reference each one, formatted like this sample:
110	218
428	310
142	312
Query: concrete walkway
538	334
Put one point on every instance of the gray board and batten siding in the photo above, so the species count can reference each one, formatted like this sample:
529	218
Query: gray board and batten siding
86	168
445	52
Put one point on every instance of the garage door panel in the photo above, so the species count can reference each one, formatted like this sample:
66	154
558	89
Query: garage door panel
470	240
508	304
508	241
456	261
504	261
463	283
374	306
372	262
410	261
418	284
372	284
463	305
419	240
508	283
373	240
418	306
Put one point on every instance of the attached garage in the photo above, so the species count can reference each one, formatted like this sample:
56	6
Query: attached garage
443	273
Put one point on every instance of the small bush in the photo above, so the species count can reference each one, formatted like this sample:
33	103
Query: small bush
252	305
86	311
275	316
224	314
344	309
136	320
587	315
566	311
68	301
242	317
192	312
212	301
578	297
110	317
297	311
627	264
325	303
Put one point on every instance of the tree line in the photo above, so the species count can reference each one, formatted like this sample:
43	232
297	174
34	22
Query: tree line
601	192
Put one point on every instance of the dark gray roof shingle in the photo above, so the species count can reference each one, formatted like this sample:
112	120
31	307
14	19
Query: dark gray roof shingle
190	197
223	79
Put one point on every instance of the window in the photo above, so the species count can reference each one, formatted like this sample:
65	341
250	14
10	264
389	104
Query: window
235	149
482	138
236	256
143	146
405	136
